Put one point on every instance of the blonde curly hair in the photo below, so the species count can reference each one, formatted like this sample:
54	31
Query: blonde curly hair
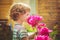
17	9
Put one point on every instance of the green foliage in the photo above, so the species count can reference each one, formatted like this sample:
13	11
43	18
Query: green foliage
29	28
53	34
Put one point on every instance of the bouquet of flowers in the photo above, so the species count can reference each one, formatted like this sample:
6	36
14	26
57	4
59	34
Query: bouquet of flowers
43	32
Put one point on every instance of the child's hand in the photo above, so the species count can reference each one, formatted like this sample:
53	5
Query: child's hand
25	38
32	35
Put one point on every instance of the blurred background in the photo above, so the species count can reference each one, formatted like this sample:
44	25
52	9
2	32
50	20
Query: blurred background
49	9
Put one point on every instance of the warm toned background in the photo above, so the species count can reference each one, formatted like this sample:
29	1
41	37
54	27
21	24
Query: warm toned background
49	9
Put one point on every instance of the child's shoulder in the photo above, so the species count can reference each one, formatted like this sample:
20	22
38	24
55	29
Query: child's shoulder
18	27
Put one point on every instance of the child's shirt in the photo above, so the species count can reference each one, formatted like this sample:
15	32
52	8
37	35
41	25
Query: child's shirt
19	32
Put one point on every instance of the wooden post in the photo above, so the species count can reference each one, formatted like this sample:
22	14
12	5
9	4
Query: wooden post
58	20
5	34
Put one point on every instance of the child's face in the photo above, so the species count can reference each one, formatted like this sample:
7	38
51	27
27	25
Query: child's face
23	17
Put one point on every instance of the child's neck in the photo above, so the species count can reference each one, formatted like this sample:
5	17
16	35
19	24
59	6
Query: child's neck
19	22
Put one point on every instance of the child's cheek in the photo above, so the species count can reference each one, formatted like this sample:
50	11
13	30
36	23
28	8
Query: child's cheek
24	18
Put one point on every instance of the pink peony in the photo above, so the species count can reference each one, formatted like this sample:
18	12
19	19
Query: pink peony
39	27
40	24
44	31
40	37
33	20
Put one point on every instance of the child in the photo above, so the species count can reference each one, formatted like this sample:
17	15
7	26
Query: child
19	12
